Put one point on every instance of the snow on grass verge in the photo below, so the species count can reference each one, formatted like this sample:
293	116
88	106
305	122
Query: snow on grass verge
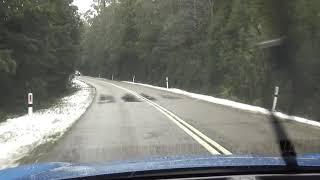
19	136
233	104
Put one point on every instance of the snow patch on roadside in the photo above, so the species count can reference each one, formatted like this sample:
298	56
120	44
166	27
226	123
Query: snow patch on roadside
233	104
19	136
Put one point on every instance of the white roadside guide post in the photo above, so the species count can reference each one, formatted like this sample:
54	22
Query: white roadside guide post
275	98
30	104
112	77
133	78
167	82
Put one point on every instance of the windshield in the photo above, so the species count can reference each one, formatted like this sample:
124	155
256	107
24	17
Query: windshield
100	81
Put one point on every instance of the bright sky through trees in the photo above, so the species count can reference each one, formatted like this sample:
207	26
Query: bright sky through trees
83	5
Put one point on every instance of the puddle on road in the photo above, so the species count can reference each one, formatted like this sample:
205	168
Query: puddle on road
130	98
148	97
167	96
103	99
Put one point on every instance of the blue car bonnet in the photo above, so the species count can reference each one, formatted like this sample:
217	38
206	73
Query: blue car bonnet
58	170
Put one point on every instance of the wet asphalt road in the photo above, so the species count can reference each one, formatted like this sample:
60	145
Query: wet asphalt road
120	126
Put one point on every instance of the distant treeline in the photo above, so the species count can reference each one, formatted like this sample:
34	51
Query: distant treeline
39	44
212	46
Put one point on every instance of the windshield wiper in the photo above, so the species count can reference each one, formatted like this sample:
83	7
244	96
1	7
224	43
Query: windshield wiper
286	147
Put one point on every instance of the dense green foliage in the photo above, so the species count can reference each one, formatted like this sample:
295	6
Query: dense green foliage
211	46
39	44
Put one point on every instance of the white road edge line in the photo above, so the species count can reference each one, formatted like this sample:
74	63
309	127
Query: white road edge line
181	123
232	104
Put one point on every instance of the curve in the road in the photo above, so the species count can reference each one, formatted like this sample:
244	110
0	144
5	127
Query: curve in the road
209	144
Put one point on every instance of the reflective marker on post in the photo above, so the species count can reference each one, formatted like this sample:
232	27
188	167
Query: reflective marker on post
275	98
30	104
167	82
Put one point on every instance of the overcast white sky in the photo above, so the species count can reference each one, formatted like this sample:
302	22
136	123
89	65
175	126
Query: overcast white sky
83	5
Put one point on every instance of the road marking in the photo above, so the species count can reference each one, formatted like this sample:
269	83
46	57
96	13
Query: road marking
202	139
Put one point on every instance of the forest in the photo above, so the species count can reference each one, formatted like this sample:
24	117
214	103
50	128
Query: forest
234	49
39	46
